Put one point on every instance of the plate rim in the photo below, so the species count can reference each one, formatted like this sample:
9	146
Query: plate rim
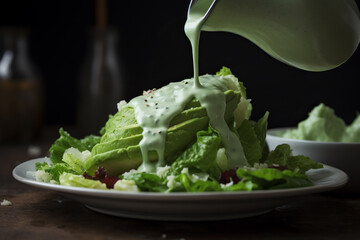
180	196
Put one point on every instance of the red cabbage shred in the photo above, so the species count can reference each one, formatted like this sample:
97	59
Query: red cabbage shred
102	176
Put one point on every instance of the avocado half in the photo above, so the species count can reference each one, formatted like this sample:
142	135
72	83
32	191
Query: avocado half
119	150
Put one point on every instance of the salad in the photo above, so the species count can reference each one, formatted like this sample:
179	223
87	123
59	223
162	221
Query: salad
181	149
323	125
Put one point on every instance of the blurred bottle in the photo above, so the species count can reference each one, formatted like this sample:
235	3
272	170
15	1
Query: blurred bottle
21	89
101	82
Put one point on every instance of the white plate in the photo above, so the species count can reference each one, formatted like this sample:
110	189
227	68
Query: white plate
186	206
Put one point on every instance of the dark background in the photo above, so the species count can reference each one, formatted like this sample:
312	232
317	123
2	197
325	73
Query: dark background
155	51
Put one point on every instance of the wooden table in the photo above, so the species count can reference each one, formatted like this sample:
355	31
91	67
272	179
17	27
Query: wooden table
42	214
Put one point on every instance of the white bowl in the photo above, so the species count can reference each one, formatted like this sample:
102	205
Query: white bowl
345	156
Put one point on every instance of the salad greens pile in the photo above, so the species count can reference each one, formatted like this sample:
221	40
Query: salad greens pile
196	164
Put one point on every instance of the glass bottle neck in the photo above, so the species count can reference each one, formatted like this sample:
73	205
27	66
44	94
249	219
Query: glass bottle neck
15	62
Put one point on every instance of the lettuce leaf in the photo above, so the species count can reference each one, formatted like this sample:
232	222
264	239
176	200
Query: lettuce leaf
250	142
65	141
201	156
55	170
72	162
272	178
69	179
252	137
188	185
75	159
224	71
241	186
282	155
260	129
147	182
